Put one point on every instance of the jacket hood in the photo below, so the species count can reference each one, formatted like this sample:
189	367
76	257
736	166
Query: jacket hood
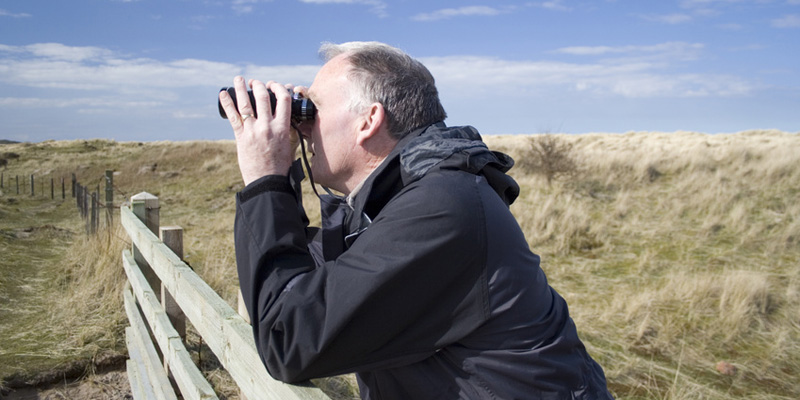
462	148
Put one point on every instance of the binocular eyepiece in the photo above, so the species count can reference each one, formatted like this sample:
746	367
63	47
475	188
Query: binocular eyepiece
302	109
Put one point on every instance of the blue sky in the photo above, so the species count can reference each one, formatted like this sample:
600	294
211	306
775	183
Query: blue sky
150	70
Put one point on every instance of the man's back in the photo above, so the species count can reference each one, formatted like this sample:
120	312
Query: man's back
525	345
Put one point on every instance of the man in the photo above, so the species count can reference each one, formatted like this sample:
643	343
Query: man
420	279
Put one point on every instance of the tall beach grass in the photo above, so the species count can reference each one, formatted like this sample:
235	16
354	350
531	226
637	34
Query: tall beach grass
675	251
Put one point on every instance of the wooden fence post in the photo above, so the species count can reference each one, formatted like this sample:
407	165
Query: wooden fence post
87	209
52	189
17	177
32	192
145	207
109	197
93	230
74	183
84	203
172	236
63	192
78	198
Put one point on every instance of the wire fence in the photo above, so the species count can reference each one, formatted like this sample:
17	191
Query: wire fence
89	202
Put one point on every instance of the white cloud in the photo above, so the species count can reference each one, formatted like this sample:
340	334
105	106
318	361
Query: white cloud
246	6
101	82
629	78
4	13
112	76
705	3
57	51
377	6
731	27
672	19
711	4
555	5
787	21
663	51
458	12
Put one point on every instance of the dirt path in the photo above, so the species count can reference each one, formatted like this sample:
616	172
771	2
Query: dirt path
107	386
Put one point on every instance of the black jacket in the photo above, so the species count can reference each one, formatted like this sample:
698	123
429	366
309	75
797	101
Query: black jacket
424	285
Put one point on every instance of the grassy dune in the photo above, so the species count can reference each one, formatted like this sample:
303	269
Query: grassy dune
674	251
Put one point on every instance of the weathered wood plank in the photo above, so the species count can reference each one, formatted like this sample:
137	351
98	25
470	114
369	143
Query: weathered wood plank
190	380
151	369
134	380
225	332
134	369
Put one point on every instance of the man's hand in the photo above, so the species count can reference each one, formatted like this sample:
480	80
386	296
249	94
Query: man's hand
264	144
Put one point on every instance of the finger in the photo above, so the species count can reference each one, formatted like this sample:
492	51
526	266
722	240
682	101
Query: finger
283	106
230	110
300	89
262	98
242	98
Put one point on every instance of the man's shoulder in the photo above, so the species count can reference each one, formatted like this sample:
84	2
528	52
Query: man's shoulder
444	190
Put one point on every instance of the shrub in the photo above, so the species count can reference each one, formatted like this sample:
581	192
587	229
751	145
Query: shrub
550	157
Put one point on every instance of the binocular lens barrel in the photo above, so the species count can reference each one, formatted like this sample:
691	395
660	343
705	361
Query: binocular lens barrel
302	109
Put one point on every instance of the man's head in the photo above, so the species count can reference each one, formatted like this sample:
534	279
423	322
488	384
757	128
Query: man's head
386	75
368	96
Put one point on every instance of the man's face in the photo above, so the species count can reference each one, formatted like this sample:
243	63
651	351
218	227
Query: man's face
331	137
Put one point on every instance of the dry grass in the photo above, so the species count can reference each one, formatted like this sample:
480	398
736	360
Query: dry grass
674	250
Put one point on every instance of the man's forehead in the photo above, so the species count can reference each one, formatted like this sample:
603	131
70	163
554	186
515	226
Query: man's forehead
334	72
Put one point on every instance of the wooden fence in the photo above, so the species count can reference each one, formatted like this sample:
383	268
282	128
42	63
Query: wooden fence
88	202
163	292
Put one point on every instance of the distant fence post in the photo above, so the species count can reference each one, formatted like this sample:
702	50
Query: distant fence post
93	230
63	192
84	210
17	178
32	192
85	199
87	209
109	197
78	197
52	189
74	183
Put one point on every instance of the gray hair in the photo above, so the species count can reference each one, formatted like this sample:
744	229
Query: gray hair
386	75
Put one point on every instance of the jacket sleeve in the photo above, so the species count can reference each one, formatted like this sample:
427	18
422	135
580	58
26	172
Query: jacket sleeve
412	283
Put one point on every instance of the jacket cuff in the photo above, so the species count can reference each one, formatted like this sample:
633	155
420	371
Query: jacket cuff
269	183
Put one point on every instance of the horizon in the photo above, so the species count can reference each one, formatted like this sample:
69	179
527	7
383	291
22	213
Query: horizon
132	70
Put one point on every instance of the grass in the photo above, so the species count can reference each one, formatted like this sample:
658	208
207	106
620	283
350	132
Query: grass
674	251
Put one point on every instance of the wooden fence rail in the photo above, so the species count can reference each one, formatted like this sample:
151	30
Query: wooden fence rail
166	289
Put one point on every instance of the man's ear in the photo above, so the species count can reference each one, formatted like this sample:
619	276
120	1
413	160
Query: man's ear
373	121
